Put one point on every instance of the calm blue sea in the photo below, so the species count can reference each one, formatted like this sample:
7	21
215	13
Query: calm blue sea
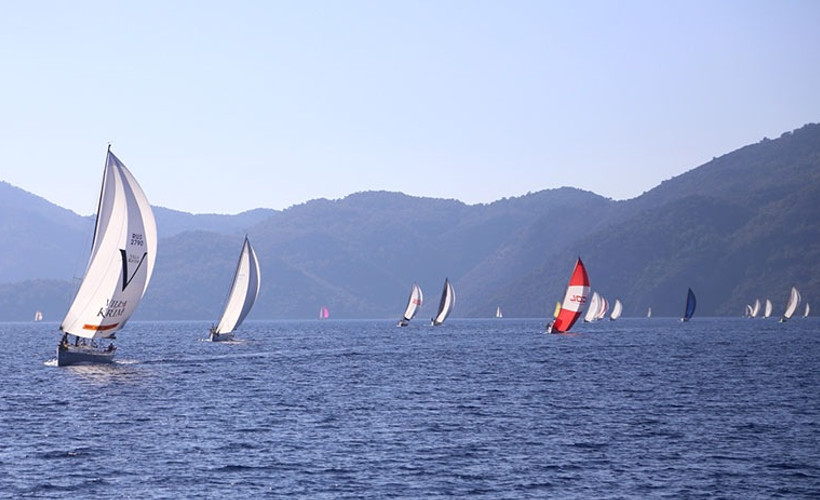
494	409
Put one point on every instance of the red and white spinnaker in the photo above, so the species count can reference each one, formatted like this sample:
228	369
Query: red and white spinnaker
575	300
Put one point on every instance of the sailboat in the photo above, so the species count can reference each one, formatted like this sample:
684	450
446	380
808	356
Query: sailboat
649	313
603	307
617	309
767	309
38	316
592	308
445	306
244	290
791	304
690	306
807	311
557	310
575	300
498	313
122	259
413	303
324	313
756	308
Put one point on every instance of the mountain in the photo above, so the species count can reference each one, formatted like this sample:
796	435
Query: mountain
38	240
742	226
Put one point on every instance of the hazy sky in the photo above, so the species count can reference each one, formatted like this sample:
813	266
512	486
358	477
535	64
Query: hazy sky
233	105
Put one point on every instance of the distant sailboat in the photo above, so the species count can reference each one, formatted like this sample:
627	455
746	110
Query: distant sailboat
244	290
767	310
575	300
38	316
791	304
603	307
756	308
690	306
592	308
413	303
324	313
122	259
616	310
649	313
446	304
807	311
557	310
498	313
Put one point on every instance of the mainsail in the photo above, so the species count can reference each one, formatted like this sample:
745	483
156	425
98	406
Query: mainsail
498	313
414	301
575	299
445	307
593	308
807	311
244	290
756	308
791	304
122	257
616	310
767	310
690	306
603	307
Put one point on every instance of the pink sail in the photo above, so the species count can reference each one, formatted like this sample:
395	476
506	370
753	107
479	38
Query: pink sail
575	299
324	313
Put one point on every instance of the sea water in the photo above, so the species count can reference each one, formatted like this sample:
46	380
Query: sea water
635	408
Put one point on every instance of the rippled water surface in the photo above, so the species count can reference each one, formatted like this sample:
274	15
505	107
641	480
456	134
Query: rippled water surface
361	409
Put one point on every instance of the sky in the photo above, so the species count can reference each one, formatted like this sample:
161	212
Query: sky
227	106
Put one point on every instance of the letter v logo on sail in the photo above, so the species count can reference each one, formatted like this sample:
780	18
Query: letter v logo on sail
126	280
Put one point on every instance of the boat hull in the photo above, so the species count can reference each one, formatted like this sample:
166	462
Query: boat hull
220	337
77	355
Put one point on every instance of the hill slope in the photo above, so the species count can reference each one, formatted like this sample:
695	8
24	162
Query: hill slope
740	227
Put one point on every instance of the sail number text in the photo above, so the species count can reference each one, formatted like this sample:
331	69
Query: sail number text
137	239
581	299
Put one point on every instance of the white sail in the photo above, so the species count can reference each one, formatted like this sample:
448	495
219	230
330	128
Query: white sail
448	301
498	313
593	307
767	310
649	313
807	311
616	310
756	308
414	301
244	290
791	304
603	307
122	257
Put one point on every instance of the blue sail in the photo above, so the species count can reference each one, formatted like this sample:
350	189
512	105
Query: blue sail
690	305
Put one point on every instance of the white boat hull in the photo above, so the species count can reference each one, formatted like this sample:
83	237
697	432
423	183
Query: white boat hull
220	337
80	354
